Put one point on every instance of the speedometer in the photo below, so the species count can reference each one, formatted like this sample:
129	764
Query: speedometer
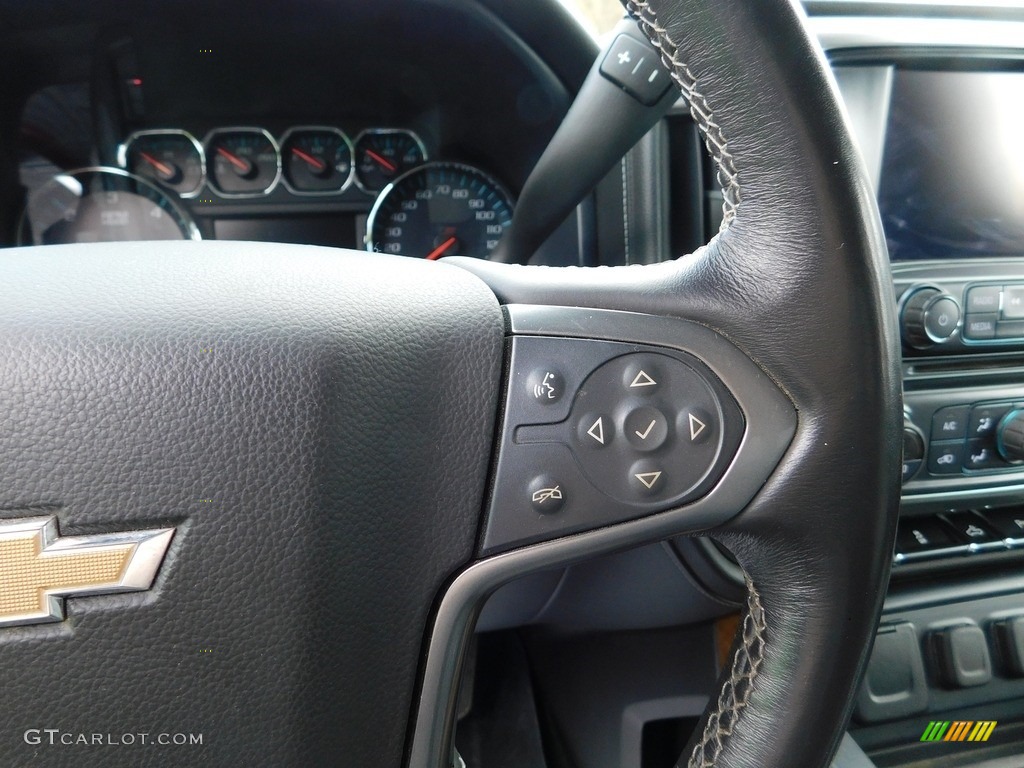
440	209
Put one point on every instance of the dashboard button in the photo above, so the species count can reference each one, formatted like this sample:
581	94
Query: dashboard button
1013	329
942	318
961	654
1009	636
950	423
945	458
980	327
1013	302
923	534
1008	523
984	298
972	528
894	684
982	454
985	418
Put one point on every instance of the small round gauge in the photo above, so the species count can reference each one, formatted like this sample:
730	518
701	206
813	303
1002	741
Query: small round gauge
99	205
316	160
384	154
440	209
172	158
242	162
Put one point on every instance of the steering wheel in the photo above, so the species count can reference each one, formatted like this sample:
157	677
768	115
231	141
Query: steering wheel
313	433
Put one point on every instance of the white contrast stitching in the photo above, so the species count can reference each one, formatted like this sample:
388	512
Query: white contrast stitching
714	138
735	693
625	208
746	663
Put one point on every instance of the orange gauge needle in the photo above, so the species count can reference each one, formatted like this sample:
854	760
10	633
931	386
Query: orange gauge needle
163	168
438	252
309	159
382	161
234	159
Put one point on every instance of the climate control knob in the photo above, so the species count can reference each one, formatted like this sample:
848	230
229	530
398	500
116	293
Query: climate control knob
1010	436
929	317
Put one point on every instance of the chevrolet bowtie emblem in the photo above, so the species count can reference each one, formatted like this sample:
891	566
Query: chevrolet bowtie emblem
38	568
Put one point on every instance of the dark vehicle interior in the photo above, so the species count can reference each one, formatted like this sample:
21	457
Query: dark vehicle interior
475	392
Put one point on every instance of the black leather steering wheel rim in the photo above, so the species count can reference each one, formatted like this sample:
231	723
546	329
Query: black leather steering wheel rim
797	278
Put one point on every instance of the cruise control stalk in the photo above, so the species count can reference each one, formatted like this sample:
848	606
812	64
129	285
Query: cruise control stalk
626	93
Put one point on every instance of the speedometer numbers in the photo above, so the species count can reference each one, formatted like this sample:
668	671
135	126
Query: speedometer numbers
384	154
440	209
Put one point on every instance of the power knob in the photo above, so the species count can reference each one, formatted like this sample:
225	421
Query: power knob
1010	436
929	317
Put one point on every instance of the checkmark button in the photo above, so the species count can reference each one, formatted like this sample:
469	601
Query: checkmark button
643	435
646	428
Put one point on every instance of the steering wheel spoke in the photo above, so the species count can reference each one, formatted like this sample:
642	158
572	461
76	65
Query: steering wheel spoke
612	416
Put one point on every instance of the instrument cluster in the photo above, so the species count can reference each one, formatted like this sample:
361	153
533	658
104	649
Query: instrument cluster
412	206
250	162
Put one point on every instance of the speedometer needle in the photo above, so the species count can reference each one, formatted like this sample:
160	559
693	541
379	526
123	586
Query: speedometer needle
309	159
163	168
381	161
438	252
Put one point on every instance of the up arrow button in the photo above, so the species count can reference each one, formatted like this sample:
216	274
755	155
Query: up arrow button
643	379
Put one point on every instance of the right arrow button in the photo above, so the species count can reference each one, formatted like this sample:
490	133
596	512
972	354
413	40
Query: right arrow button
697	425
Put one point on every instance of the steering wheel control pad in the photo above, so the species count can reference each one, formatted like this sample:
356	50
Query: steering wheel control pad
598	432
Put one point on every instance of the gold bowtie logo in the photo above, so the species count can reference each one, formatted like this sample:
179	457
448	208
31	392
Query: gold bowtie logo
38	568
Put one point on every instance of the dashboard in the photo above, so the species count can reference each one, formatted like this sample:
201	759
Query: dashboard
238	131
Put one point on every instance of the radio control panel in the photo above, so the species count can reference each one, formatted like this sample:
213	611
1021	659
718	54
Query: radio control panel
949	308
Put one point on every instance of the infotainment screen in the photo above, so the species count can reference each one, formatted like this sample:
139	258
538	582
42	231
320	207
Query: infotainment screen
952	178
